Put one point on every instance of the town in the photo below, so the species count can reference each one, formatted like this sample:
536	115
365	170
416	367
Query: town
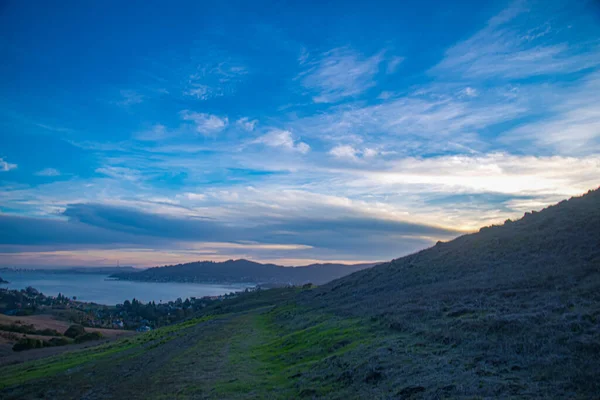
130	315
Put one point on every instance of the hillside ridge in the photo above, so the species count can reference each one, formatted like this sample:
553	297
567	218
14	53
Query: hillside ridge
243	271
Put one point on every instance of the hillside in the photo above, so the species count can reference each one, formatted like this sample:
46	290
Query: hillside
243	271
512	311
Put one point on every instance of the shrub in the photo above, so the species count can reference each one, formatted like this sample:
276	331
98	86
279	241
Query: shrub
86	337
74	331
27	344
58	342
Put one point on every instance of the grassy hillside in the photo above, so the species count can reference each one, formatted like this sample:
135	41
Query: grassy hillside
511	311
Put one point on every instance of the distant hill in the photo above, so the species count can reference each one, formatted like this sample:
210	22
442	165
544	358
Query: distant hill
242	271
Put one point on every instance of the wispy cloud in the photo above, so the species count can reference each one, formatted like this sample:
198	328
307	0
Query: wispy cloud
340	73
570	123
246	123
48	172
120	173
393	64
345	152
129	98
214	80
519	43
155	133
6	166
201	92
283	139
419	115
205	124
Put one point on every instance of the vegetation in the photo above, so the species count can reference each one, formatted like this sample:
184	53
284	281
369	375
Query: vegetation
30	329
74	331
86	337
31	343
28	301
511	311
243	271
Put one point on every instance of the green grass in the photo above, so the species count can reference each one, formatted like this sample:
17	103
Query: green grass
28	371
276	357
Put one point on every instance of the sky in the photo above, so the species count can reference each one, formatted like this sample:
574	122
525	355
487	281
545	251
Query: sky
150	133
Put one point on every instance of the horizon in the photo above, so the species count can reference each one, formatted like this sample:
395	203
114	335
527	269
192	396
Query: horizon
70	267
290	135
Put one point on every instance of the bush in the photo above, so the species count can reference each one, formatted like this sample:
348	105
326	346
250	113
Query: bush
16	327
86	337
57	342
74	331
28	344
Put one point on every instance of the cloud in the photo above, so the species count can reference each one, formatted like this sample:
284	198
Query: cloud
48	172
6	166
340	73
283	139
201	92
214	79
393	63
350	153
205	124
520	43
344	152
246	123
469	92
155	133
95	226
570	124
129	98
419	115
120	173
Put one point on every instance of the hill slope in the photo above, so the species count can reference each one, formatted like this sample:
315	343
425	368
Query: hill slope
243	271
511	311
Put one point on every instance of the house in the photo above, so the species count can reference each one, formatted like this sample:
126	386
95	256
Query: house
144	328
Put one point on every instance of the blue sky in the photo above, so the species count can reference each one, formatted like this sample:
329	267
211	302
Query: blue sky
286	132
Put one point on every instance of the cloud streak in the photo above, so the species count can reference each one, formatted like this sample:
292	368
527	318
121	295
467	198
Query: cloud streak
5	166
341	73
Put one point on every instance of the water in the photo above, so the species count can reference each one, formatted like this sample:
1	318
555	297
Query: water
95	288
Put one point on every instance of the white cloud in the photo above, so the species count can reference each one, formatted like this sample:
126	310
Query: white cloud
201	92
340	73
120	173
570	123
157	132
385	95
518	43
351	153
195	196
469	92
205	124
283	139
492	173
6	166
247	124
214	80
423	116
48	172
129	98
369	153
344	152
393	64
